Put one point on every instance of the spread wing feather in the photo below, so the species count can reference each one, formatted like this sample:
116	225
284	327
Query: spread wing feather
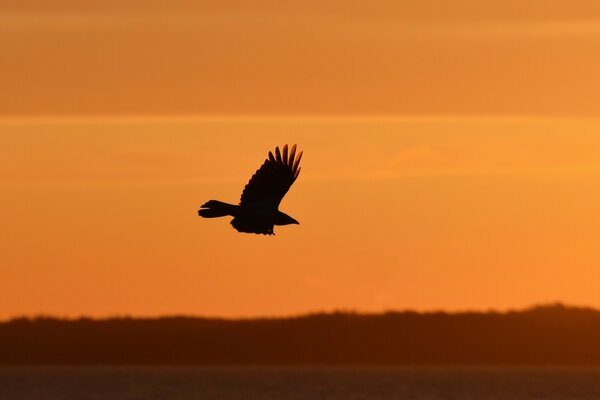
273	179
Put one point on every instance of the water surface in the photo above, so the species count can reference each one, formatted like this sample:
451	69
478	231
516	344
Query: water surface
291	383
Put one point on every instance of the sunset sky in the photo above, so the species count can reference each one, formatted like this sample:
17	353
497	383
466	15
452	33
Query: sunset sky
452	155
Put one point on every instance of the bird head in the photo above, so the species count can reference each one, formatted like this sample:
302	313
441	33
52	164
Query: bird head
284	219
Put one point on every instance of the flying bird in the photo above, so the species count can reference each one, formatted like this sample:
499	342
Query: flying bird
258	211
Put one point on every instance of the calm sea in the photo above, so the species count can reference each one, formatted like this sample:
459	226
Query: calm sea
288	383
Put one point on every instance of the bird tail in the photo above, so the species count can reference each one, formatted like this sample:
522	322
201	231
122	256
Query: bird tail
215	208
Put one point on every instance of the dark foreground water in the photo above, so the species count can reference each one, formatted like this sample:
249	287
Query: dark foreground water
287	383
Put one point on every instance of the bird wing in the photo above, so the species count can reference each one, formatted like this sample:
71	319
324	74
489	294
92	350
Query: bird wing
273	179
249	224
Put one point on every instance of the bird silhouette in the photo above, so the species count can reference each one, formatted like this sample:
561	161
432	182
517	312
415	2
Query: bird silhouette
258	211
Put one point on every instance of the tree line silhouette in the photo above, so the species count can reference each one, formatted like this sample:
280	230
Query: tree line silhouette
543	335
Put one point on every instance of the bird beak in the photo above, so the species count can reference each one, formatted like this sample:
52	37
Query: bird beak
295	222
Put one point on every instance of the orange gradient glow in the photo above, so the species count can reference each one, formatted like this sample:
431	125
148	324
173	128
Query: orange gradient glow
298	57
100	216
451	155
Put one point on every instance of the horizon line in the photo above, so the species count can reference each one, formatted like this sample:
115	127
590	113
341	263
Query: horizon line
339	311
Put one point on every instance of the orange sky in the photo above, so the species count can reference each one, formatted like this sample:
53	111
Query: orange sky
452	156
298	57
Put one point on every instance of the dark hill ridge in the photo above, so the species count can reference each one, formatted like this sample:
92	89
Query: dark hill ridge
551	335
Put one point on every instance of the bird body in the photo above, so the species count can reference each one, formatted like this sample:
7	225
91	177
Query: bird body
258	211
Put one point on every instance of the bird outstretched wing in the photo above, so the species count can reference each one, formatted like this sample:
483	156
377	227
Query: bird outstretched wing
273	179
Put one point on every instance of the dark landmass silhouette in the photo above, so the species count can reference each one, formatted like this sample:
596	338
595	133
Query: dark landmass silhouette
542	335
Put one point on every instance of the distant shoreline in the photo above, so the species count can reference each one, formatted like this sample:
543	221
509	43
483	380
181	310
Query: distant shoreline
490	311
552	335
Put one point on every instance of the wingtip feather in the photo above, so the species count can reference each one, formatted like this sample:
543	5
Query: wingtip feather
292	155
285	154
295	167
